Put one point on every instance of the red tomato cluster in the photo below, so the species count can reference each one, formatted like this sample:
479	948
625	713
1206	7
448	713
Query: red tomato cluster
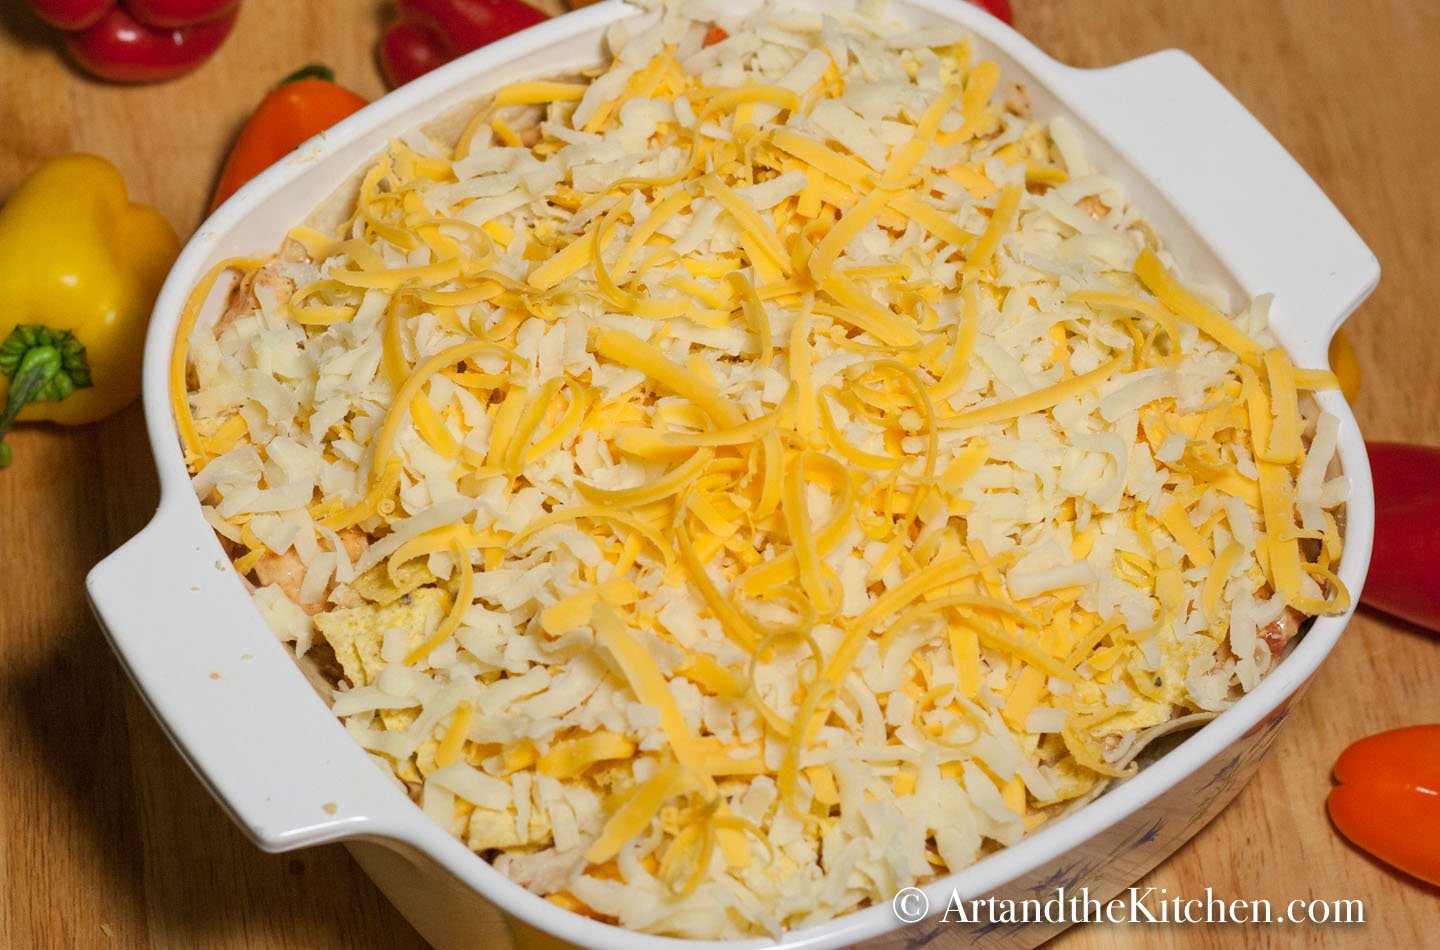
140	40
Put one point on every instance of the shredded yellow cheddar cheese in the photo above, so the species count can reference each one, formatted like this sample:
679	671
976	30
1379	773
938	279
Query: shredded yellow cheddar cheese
757	476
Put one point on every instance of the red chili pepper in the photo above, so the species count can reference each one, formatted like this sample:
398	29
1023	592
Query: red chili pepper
1404	575
429	33
140	40
305	103
1388	799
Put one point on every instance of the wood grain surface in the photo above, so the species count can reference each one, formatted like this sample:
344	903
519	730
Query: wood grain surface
107	840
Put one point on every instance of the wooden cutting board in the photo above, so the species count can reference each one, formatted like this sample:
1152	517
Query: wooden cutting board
106	839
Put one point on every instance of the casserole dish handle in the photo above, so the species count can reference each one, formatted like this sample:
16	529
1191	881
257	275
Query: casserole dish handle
1236	187
234	703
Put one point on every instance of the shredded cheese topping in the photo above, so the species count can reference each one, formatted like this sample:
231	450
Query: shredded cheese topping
760	476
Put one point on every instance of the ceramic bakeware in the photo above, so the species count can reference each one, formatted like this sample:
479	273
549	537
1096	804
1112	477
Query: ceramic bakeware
1236	212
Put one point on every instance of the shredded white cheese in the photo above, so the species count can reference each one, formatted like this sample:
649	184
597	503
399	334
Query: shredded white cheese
771	473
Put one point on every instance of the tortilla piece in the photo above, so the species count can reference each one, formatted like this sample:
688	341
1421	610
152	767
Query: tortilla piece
376	586
497	828
356	634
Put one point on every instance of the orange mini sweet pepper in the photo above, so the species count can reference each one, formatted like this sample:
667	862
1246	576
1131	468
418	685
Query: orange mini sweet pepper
306	103
1388	799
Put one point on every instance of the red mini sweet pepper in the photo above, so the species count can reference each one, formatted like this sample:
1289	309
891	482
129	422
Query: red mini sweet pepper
1404	577
140	40
430	33
1388	798
1000	9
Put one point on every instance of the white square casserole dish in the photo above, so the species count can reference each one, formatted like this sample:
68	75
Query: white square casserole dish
1236	210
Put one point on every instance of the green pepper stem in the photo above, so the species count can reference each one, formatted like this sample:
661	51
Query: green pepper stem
313	71
41	364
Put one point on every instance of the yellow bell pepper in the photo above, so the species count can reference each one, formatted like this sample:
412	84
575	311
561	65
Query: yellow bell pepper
80	267
1345	365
